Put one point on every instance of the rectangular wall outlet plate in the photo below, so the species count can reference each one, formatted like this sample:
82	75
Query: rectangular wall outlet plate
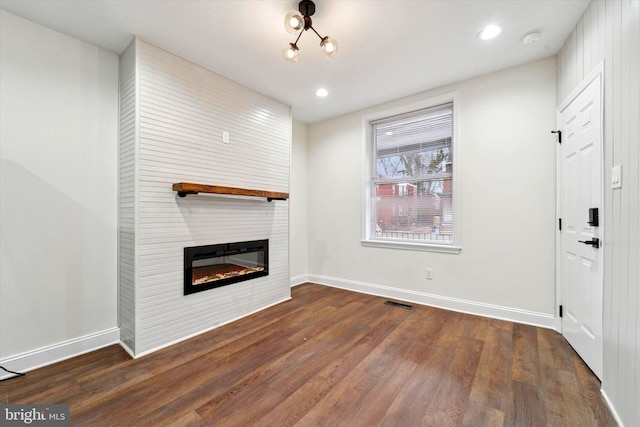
225	137
616	176
428	274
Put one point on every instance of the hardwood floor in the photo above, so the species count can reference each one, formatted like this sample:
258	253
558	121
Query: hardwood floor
330	357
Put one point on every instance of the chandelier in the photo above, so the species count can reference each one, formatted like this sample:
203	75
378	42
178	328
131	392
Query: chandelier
296	22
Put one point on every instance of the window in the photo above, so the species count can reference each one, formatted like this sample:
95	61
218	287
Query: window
414	152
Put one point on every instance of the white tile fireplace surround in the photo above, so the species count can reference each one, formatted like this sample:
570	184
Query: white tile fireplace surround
172	117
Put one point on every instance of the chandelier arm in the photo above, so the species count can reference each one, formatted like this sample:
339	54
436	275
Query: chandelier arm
299	35
314	30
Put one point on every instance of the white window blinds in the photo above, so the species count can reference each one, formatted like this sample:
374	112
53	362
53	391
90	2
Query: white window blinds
408	145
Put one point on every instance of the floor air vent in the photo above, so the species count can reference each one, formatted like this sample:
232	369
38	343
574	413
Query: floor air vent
398	304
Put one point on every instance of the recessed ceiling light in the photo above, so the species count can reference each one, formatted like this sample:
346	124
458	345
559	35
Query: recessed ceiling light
322	92
490	32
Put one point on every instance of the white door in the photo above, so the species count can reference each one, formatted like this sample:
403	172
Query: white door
581	252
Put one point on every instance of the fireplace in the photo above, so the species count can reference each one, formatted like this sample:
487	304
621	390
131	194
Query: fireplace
213	266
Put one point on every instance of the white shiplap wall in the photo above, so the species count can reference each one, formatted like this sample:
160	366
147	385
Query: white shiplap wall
127	198
182	111
610	31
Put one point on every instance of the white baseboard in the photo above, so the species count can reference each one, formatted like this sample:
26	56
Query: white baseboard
127	349
543	320
299	280
611	408
44	356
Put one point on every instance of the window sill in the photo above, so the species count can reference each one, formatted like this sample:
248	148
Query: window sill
413	246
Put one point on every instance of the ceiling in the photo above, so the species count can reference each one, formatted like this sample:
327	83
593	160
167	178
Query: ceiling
387	48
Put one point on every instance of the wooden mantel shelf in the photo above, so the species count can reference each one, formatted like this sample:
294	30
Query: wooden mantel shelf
184	188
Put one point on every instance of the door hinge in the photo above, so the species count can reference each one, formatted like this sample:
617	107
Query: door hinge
560	224
561	311
559	132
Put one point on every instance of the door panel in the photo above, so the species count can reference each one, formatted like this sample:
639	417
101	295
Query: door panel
580	181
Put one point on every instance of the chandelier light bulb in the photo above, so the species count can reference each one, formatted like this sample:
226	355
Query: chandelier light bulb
290	53
293	22
329	46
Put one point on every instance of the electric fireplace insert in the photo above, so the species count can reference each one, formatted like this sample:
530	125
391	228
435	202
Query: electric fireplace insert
213	266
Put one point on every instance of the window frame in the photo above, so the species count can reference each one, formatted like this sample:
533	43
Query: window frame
368	237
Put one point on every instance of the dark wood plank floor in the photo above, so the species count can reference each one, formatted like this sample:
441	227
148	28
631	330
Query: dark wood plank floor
330	357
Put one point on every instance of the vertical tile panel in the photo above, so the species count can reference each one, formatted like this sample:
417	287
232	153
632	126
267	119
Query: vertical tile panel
580	47
602	28
184	109
617	238
629	202
610	366
571	79
587	43
127	199
561	74
595	55
634	278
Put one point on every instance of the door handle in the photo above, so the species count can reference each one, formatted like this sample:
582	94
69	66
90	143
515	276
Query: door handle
595	242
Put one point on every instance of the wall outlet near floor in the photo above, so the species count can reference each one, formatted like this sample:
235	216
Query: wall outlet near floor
225	137
428	274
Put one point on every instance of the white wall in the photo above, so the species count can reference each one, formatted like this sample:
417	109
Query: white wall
506	267
182	110
610	30
298	203
58	198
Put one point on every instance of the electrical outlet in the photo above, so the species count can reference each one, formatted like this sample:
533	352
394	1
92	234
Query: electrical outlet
225	137
428	274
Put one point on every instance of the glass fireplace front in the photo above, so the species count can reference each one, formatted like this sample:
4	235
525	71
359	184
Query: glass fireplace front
213	266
